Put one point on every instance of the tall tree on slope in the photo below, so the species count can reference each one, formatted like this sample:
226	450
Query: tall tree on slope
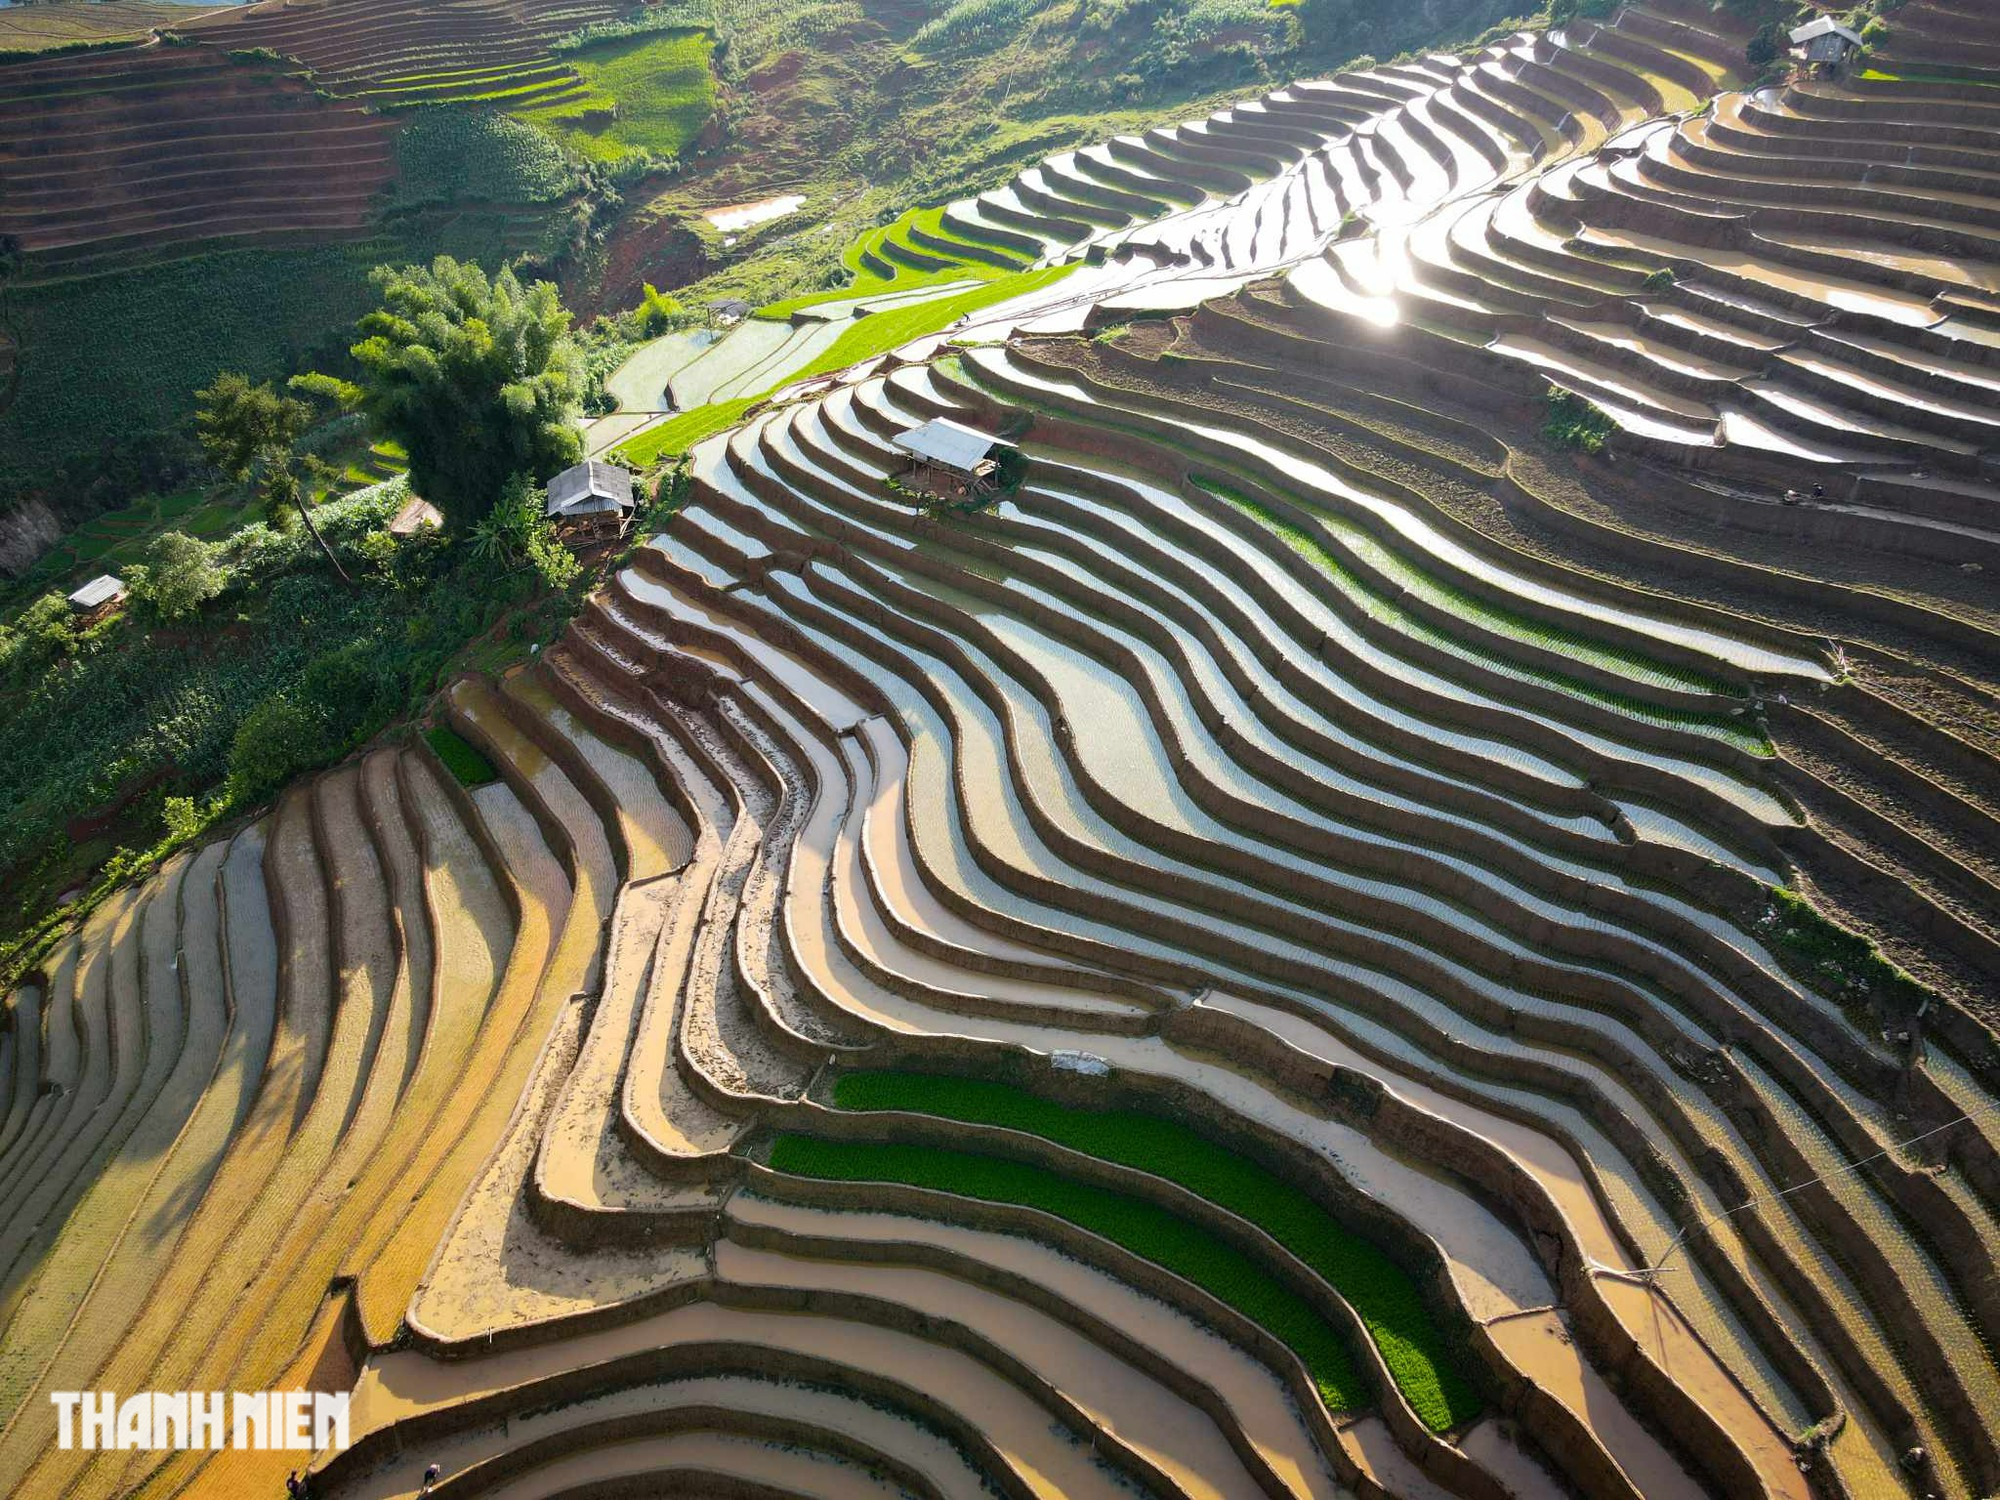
478	380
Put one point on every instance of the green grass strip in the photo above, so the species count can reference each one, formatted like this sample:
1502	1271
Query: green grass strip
1147	1231
461	757
972	263
880	332
1381	1293
875	334
868	284
962	247
683	430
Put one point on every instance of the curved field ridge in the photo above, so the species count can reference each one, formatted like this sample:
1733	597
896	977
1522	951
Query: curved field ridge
1135	1226
1791	288
1318	945
1383	1296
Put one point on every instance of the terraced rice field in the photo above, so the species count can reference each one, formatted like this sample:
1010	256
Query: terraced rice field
131	150
1265	961
39	28
392	54
142	147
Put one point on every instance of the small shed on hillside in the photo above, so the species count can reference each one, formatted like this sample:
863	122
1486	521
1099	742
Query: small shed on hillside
1824	42
416	515
590	502
728	311
948	458
100	597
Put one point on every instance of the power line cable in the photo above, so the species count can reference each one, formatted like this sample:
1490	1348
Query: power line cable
1648	1273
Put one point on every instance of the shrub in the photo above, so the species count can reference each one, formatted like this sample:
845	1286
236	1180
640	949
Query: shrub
658	312
180	576
450	154
183	818
1844	964
348	689
1661	280
277	738
39	634
1766	46
668	495
515	533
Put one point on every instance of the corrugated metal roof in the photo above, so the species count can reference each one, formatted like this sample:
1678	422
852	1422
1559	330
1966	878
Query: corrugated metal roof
100	590
1823	26
943	441
589	487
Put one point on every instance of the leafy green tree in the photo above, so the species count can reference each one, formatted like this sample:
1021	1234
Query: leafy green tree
276	738
659	311
38	635
477	379
243	427
250	432
1766	46
181	575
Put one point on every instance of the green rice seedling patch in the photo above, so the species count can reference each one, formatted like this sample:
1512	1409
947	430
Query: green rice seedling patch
460	756
974	264
1879	75
1576	422
1721	727
880	332
173	507
573	106
868	284
1384	609
662	88
215	519
1381	1293
1844	965
1147	1231
682	431
931	222
876	334
502	93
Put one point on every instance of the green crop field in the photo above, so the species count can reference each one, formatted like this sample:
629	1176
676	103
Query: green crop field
971	261
876	334
682	431
110	357
1393	610
662	90
1152	1233
460	756
1413	1347
448	154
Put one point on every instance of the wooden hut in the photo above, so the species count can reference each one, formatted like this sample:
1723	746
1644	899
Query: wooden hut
97	600
949	459
1825	44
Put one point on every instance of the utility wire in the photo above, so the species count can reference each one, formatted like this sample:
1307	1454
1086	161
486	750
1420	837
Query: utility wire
1845	1169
